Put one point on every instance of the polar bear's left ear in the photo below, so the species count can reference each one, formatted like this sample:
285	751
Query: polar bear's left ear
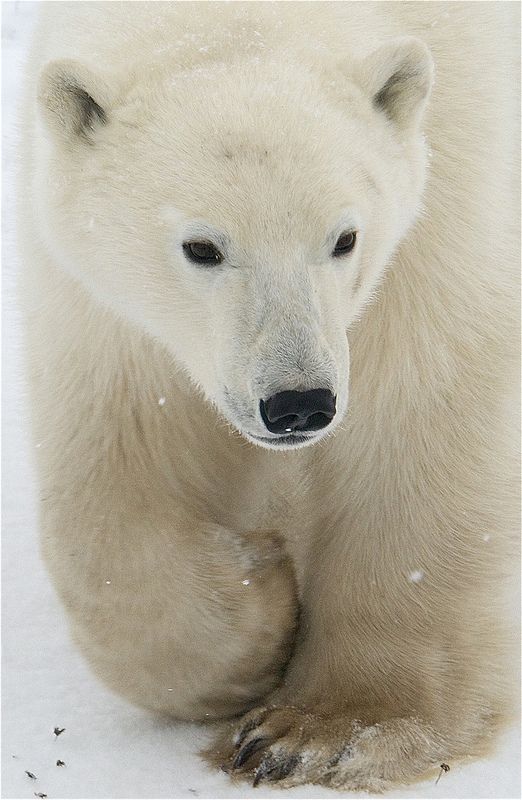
398	77
73	100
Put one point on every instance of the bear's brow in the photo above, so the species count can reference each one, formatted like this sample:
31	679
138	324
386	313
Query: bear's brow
198	229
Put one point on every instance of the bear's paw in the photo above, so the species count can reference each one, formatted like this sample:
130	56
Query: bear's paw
292	746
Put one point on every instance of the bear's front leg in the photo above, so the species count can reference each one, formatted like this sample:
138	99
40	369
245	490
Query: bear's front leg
183	617
350	746
388	679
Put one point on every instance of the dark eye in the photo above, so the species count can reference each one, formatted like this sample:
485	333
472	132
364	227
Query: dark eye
202	253
345	243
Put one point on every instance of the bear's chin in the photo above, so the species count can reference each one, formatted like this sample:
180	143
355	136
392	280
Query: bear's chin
292	442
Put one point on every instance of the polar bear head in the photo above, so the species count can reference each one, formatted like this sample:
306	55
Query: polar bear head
241	213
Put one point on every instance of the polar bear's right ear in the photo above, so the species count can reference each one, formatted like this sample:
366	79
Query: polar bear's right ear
398	77
73	100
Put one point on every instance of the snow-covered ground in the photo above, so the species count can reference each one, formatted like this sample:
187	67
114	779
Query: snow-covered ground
110	749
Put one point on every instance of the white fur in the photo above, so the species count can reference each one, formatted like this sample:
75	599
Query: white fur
270	129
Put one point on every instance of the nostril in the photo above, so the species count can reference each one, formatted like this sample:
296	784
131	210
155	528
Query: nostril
298	411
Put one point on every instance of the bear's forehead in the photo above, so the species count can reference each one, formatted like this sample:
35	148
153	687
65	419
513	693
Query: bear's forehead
253	161
255	193
291	172
240	112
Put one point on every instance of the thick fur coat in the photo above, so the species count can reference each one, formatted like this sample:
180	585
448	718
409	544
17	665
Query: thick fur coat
343	587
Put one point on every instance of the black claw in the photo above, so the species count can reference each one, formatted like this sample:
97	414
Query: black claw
247	729
248	750
272	770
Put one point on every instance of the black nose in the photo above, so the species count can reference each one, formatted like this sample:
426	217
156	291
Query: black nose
298	411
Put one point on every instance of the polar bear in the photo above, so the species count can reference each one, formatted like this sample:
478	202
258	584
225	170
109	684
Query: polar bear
269	271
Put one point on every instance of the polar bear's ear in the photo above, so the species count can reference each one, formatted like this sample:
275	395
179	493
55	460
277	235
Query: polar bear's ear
398	77
73	100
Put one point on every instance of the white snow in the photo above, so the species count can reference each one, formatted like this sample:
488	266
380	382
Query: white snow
111	749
